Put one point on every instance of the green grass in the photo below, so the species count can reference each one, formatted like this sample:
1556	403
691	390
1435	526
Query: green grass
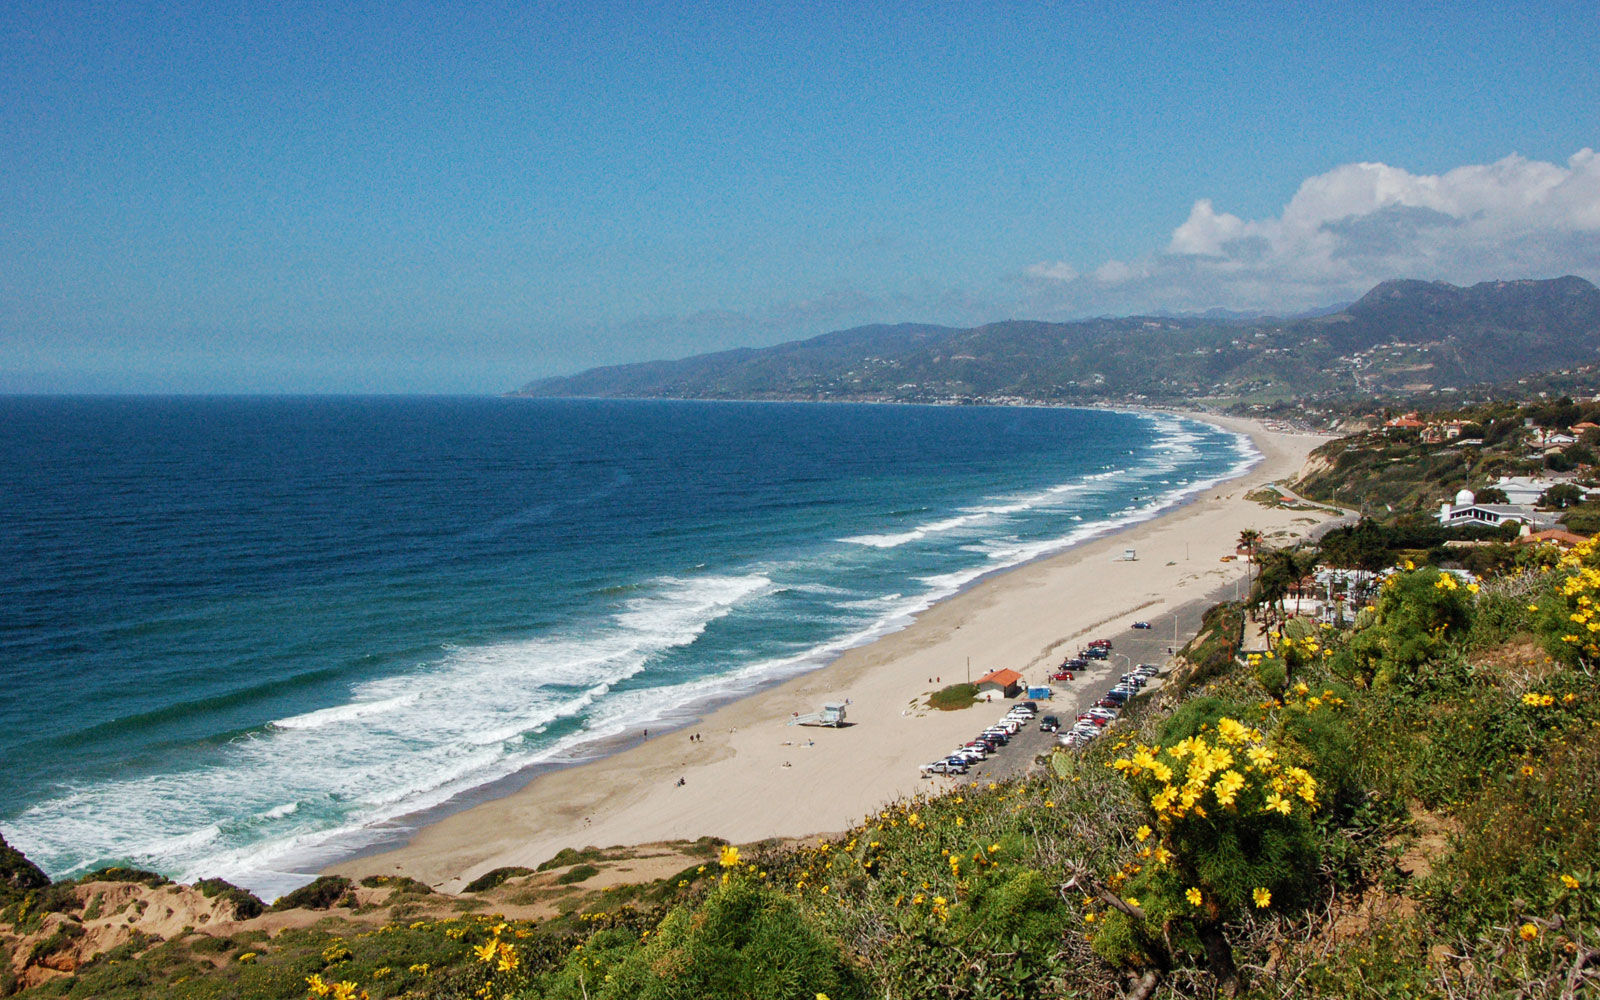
954	697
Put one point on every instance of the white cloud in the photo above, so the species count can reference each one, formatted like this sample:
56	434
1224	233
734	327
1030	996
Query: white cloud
1351	227
1053	271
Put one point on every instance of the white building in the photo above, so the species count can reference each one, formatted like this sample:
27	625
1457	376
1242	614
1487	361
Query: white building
1467	511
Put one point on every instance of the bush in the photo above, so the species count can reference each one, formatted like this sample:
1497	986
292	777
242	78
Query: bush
743	940
154	880
1417	616
490	879
321	894
1271	674
245	904
17	874
577	874
567	856
956	696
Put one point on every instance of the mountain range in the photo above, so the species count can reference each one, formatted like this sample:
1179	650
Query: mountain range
1404	336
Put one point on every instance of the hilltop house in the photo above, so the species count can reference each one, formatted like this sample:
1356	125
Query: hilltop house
1467	511
1526	489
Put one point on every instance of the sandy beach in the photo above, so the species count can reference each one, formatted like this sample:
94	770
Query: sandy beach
753	776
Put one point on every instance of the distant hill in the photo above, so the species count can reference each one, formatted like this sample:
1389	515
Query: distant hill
1403	336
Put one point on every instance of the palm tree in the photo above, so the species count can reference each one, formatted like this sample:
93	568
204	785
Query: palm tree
1249	538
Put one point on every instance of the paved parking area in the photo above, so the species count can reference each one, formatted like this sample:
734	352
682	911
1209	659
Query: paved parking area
1130	647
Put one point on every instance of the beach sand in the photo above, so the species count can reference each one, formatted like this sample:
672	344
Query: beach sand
753	776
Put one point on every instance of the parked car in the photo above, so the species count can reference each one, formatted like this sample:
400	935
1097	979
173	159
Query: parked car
1021	713
1031	706
1100	644
1108	702
1050	724
1097	653
1074	663
1141	624
1061	675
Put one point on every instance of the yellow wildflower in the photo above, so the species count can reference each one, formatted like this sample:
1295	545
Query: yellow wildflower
1227	787
1528	932
486	951
1569	881
730	856
316	986
1193	896
1142	833
1263	898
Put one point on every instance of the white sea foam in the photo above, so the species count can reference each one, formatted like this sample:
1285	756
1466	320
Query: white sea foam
313	786
343	713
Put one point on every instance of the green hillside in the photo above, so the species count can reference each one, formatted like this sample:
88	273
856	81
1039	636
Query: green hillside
1402	337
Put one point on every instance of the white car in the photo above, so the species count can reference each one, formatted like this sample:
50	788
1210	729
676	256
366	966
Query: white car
1021	712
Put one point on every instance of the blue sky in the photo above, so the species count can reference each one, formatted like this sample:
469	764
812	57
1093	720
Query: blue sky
458	198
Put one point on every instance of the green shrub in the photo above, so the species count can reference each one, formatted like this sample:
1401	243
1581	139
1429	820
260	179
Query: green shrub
567	856
953	697
154	880
18	875
577	874
742	940
1271	674
490	879
320	894
245	904
1418	615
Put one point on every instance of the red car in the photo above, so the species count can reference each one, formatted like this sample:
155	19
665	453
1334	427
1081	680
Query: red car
1061	675
1100	644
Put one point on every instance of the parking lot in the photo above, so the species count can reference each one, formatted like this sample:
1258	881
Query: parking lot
1130	647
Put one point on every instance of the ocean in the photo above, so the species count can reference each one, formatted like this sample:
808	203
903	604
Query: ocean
244	637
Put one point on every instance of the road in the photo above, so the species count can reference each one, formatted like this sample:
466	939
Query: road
1130	647
1157	644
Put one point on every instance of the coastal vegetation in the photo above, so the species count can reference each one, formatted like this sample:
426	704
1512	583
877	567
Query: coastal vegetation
1404	807
953	697
1401	473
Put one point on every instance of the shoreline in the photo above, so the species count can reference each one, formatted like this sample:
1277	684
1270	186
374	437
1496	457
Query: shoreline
753	777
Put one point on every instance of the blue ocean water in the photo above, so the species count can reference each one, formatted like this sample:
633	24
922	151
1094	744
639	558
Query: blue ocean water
240	636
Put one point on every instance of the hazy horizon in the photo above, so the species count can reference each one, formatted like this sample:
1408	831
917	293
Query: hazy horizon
394	201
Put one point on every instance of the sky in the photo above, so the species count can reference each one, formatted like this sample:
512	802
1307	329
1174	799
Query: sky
461	197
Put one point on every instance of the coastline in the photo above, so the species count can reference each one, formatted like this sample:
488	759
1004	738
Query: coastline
753	777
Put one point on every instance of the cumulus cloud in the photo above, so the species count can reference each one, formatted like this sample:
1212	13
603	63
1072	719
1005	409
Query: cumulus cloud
1351	227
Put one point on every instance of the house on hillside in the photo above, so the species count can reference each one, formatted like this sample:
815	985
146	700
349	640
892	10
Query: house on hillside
1467	511
1408	422
1005	683
1565	539
1527	489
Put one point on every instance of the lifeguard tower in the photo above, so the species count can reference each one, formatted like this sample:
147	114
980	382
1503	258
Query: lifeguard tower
832	714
